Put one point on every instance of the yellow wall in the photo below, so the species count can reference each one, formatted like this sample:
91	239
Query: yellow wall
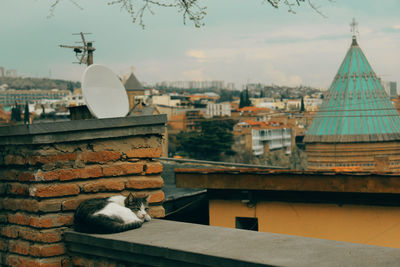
373	225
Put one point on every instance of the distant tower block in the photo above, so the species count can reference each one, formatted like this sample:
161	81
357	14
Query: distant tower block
356	127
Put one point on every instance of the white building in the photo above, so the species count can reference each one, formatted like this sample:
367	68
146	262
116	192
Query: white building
272	138
218	110
75	100
11	73
165	100
312	104
390	88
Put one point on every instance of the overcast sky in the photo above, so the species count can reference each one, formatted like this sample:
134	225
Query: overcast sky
241	41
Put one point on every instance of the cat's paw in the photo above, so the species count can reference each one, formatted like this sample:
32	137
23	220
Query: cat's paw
147	218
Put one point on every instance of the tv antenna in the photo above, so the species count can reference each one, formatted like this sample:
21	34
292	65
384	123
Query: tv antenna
83	53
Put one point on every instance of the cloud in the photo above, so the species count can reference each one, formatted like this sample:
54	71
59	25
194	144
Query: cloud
279	77
197	54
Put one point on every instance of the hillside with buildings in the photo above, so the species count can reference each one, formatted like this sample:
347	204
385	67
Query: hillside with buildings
28	83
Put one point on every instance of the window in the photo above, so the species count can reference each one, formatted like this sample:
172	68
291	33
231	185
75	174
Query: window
247	223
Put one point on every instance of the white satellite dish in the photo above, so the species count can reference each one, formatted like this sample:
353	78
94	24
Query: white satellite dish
104	93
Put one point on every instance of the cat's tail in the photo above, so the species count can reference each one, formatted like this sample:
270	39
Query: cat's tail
101	224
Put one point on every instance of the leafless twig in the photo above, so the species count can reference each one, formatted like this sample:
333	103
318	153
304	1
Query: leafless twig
291	5
191	10
56	2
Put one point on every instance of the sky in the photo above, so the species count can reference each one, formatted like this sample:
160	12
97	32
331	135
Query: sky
241	41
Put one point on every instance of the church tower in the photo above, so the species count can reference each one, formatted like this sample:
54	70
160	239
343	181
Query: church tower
357	126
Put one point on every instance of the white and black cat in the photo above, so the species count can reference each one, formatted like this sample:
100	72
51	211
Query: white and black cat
111	215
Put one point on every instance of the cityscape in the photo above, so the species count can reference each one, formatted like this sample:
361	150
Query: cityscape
219	140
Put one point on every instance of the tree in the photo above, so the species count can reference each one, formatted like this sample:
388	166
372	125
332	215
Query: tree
302	105
70	86
192	10
26	114
214	139
244	99
16	113
298	159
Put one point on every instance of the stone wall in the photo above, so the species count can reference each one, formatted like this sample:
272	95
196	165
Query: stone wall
41	184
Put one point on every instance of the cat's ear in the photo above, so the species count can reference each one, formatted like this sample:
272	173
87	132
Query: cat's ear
147	199
130	198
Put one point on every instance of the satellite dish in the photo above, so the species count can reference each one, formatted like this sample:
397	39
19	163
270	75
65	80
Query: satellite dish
104	93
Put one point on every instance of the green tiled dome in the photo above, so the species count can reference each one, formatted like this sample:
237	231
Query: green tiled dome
356	107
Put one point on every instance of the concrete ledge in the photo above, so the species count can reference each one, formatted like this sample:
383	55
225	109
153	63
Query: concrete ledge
167	243
288	180
45	133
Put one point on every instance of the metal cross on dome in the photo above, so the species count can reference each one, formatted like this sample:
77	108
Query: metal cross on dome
353	26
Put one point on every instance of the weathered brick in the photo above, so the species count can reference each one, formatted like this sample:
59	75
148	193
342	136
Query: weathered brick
10	231
19	218
26	177
150	152
47	262
104	185
51	220
69	174
16	260
60	157
18	189
4	244
72	203
20	204
82	261
3	217
143	182
3	188
123	169
91	172
8	175
19	246
14	160
100	156
43	235
156	211
46	175
53	190
49	205
156	196
47	250
153	167
87	172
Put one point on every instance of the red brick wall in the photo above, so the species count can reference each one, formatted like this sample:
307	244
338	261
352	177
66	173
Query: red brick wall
41	186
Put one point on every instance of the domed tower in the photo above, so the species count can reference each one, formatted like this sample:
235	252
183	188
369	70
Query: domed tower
357	126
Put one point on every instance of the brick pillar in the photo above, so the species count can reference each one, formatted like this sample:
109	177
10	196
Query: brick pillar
45	173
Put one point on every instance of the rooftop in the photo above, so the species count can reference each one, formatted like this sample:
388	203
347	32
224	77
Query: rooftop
168	243
133	84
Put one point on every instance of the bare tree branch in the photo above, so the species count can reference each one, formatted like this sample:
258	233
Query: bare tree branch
292	4
56	2
191	10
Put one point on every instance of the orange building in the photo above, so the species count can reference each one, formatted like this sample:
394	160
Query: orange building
352	207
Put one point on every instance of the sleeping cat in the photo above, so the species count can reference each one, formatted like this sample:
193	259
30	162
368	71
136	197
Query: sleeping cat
111	215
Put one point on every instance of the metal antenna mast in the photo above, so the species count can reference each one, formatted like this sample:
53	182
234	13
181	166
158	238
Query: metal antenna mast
86	50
